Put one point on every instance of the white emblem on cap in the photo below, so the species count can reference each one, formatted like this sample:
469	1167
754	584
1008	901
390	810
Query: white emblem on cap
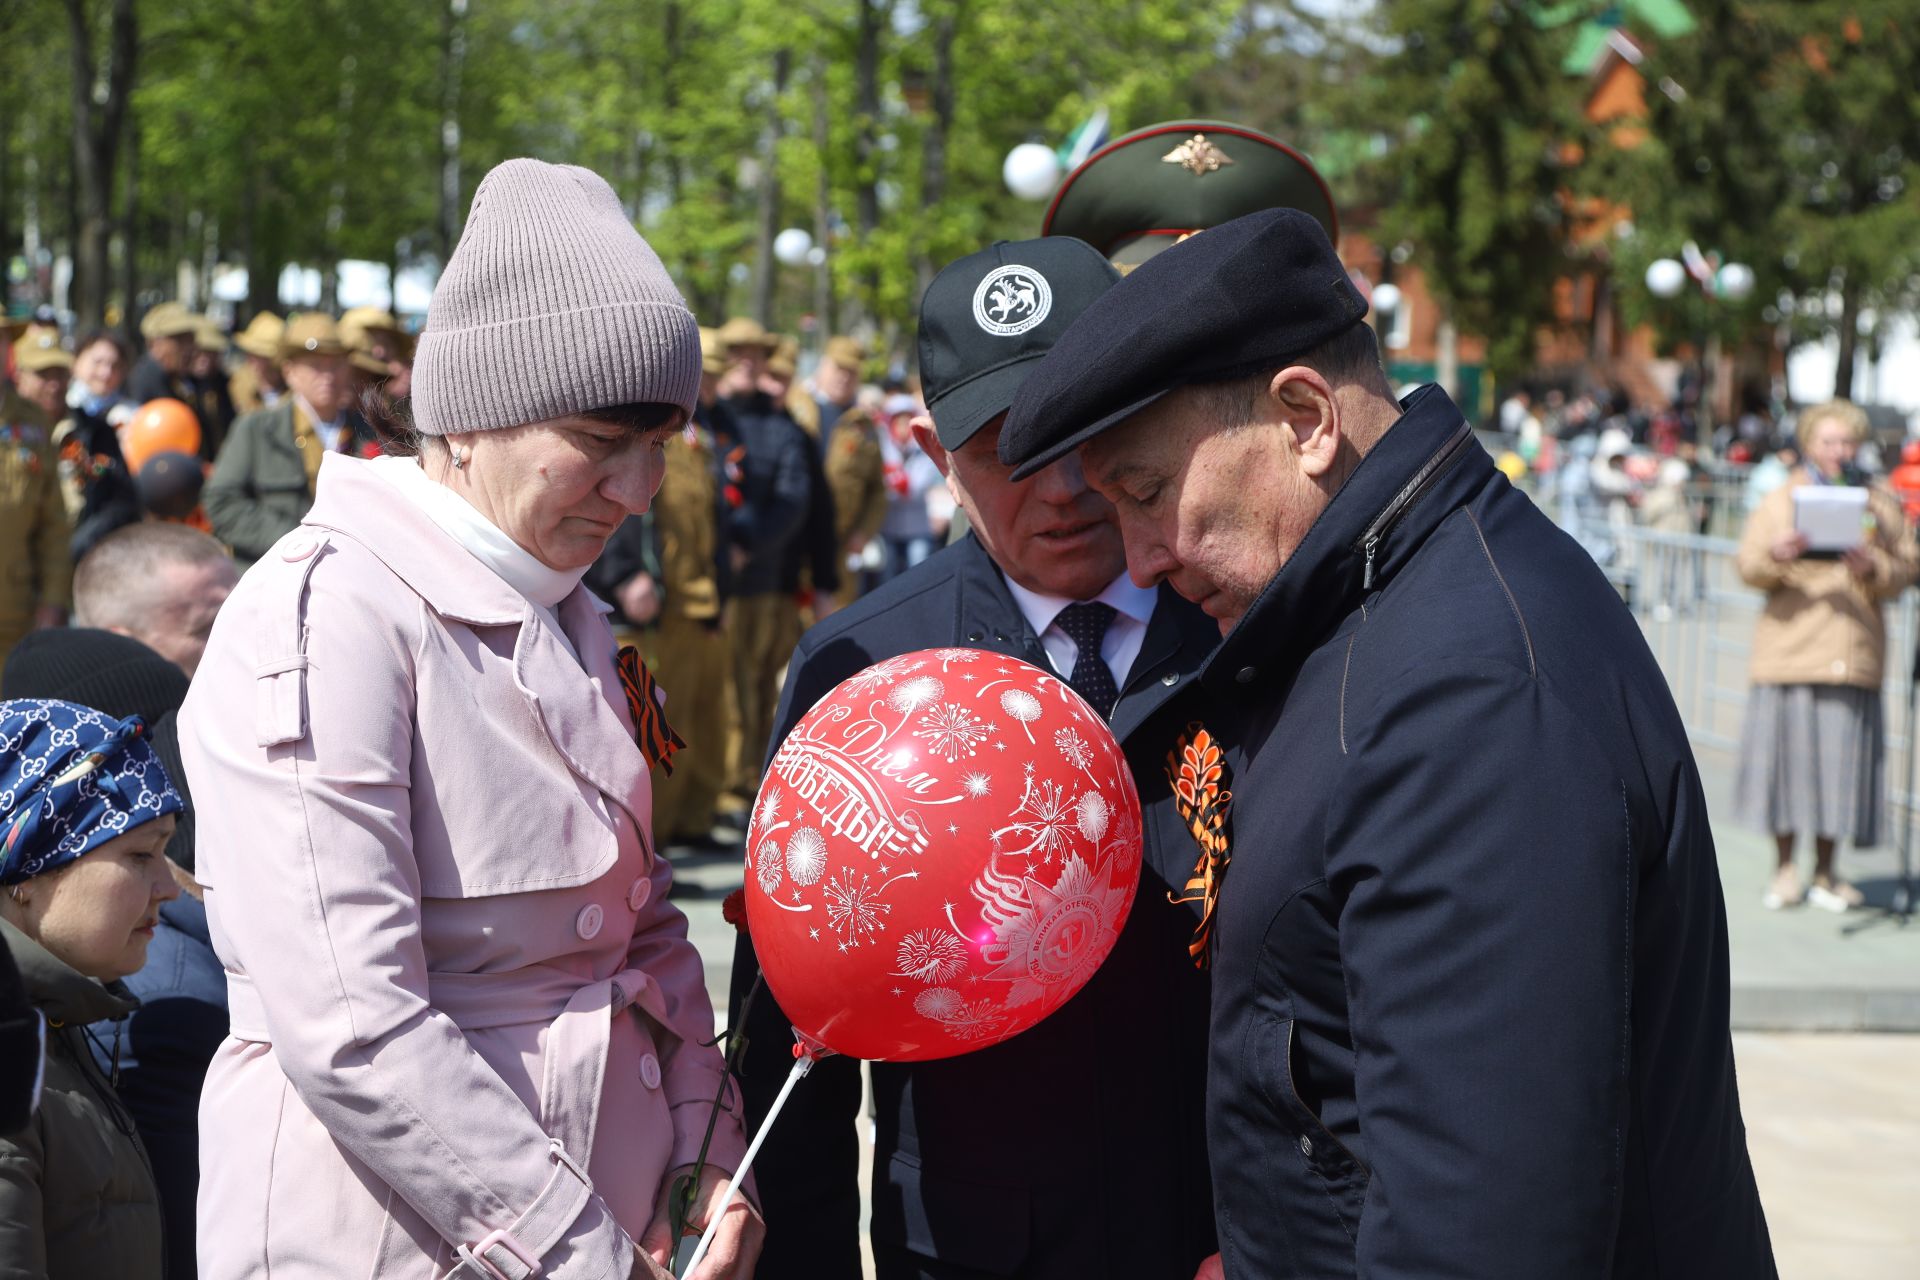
1012	300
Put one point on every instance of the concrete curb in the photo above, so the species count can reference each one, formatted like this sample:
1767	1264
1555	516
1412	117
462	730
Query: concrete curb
1824	1009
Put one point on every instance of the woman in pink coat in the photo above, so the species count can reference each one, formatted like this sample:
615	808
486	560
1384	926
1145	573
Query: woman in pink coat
469	1034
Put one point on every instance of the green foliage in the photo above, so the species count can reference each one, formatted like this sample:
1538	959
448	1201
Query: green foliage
1785	134
1474	176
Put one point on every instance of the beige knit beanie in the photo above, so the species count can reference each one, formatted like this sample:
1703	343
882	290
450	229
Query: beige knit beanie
551	305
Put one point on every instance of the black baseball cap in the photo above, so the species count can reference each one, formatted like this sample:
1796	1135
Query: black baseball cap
988	317
1234	300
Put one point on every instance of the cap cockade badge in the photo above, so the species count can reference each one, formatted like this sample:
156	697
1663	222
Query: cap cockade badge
1197	155
1012	299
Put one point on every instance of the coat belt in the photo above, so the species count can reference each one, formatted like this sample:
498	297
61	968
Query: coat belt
579	1020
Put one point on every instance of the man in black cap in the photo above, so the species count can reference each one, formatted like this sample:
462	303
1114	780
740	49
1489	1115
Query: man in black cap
1076	1148
1469	953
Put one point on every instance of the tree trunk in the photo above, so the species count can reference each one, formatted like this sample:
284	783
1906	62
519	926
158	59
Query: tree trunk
873	18
130	238
1849	338
933	155
453	56
96	142
768	221
822	202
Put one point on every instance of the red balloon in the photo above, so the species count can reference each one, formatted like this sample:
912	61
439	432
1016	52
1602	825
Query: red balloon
943	852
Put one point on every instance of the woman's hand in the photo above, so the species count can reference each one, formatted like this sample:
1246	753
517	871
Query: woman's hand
644	1268
736	1245
1860	561
1789	546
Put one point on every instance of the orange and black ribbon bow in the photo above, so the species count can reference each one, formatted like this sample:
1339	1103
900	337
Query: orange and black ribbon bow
1197	767
656	737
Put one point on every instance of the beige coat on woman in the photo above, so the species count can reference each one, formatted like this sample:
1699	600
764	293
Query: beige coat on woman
1821	623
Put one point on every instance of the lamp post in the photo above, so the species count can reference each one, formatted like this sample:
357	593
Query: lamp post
1729	282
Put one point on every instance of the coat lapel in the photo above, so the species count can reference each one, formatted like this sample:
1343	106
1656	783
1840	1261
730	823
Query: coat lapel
581	704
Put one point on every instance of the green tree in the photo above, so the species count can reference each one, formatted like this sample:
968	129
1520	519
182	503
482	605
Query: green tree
1474	180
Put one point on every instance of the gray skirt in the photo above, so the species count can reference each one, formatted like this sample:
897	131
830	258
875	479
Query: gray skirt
1812	762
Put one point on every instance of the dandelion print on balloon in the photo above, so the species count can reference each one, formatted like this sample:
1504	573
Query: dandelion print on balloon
766	866
1022	706
1074	748
931	955
806	856
938	1003
854	907
1093	815
951	731
916	693
1046	817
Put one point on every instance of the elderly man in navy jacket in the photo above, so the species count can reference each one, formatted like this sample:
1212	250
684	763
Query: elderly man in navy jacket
1075	1149
1469	948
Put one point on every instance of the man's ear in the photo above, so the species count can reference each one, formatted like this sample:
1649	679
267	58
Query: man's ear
1304	402
923	435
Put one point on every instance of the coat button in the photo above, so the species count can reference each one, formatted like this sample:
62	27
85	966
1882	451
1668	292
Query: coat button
1170	679
299	549
1306	1146
650	1071
1245	675
976	636
637	896
587	923
1839	666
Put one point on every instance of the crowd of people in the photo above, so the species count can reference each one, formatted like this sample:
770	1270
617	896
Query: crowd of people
338	762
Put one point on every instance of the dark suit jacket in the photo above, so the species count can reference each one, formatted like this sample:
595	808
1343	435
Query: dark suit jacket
1470	984
1074	1149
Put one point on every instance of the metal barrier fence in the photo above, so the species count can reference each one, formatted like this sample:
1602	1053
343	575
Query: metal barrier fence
1698	617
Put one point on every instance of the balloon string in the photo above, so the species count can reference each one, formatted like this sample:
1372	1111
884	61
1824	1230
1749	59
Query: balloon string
802	1064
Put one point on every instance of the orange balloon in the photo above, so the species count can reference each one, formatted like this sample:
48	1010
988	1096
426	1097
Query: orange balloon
159	426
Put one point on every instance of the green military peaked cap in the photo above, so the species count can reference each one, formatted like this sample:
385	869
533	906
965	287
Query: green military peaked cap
1155	186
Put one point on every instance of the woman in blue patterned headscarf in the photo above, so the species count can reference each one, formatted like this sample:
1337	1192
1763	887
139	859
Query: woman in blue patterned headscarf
86	810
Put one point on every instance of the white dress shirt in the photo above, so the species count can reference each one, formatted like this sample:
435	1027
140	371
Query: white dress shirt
1132	607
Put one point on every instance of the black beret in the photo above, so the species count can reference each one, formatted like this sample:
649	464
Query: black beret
1230	302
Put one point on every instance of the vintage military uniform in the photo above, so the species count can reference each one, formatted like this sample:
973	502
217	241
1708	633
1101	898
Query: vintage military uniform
36	569
261	338
690	646
857	480
263	482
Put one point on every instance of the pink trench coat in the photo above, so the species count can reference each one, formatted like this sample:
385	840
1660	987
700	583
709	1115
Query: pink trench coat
464	1014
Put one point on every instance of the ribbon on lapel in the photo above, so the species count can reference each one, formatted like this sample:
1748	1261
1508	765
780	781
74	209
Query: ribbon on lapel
656	737
1197	767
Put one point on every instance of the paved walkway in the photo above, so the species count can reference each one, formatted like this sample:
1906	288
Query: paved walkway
1833	1124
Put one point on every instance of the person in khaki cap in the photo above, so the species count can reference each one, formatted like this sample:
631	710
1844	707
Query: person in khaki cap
161	373
782	367
263	480
36	588
382	350
835	383
257	384
207	381
41	370
850	449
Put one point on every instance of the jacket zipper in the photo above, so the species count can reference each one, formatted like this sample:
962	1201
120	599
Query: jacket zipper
1404	501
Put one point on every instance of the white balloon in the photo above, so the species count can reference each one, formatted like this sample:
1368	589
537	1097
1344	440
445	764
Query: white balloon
1734	282
1666	278
791	246
1031	171
1386	297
